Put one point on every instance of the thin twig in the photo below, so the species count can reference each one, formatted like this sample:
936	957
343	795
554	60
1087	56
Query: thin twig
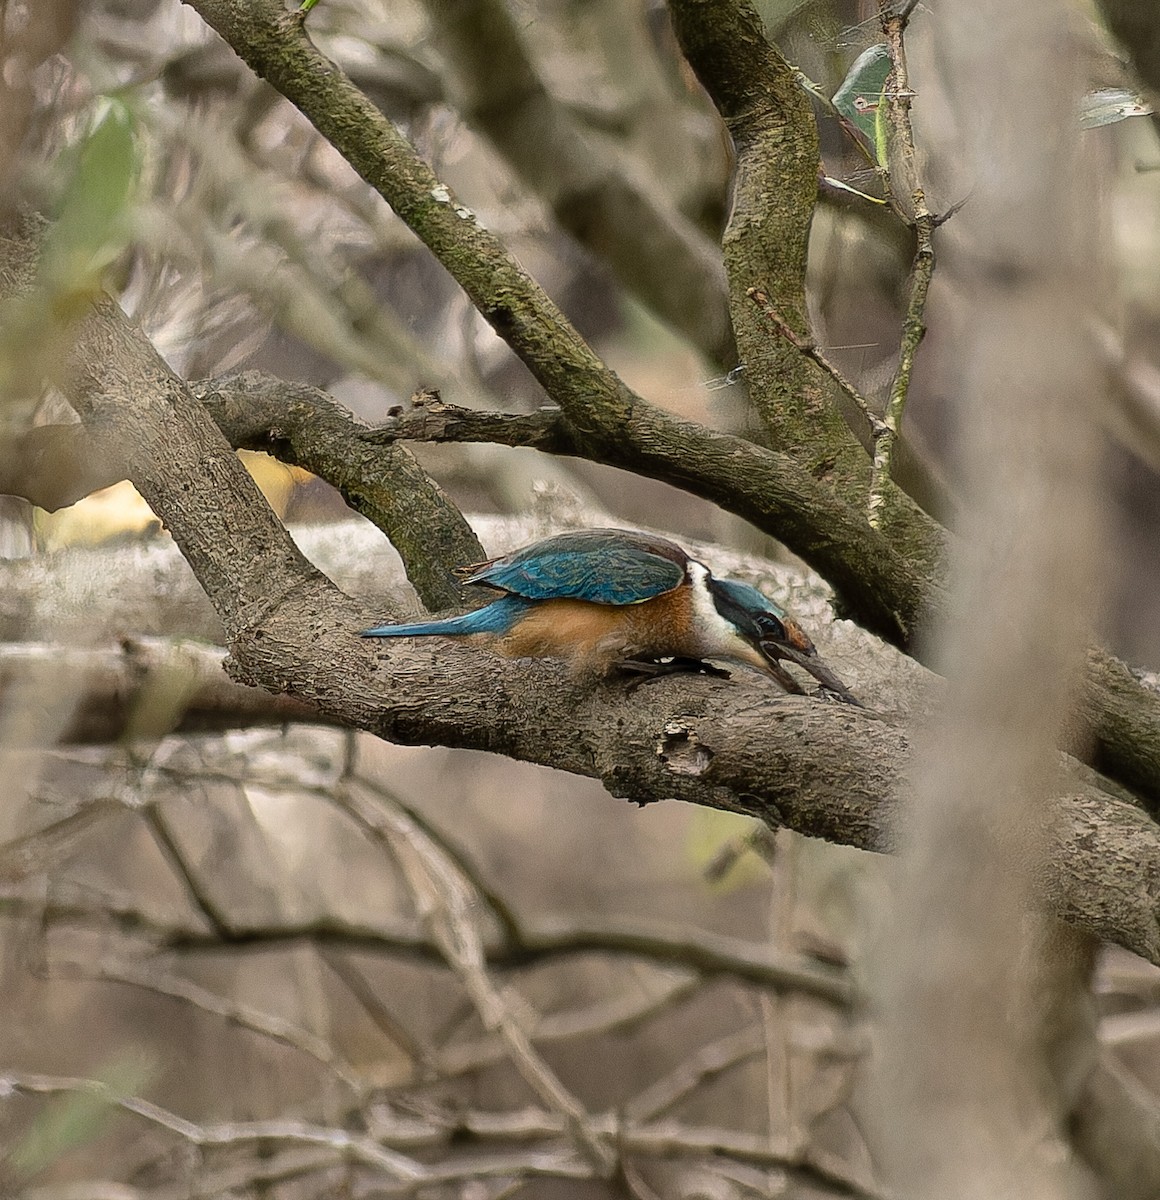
709	1061
267	1024
811	350
445	901
923	222
462	861
240	1178
605	1017
167	842
684	949
353	1146
373	1004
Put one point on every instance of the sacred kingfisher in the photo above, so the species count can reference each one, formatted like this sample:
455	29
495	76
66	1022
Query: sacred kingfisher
608	598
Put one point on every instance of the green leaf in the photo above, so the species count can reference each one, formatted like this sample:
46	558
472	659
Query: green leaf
92	222
859	99
1106	106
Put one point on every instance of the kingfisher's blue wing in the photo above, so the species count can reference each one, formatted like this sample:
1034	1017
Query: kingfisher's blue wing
602	566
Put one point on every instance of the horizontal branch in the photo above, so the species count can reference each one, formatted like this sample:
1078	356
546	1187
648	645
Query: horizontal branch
538	942
143	688
826	770
404	1175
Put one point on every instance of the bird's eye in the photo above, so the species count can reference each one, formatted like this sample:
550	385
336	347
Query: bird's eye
771	627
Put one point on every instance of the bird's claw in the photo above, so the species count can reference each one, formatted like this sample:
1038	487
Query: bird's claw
649	670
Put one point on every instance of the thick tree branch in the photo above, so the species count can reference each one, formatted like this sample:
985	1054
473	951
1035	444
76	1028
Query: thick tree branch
302	426
774	192
828	770
110	355
260	412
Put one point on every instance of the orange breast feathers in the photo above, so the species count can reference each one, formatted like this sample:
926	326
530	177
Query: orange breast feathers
593	635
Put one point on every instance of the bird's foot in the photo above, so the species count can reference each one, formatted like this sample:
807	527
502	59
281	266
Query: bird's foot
648	670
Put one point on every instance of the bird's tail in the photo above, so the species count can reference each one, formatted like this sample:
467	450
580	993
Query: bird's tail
497	617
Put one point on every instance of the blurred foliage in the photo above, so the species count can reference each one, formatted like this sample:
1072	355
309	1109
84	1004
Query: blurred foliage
67	1122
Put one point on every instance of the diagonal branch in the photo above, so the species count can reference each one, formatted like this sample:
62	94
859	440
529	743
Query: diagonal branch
445	902
657	253
775	189
732	745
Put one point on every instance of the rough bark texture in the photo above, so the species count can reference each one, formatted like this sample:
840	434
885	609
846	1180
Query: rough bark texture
774	192
826	770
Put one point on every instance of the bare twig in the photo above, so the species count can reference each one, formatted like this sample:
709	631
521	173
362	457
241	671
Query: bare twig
904	169
445	901
197	891
281	1166
353	1147
458	858
610	1016
374	1005
243	1016
807	346
709	1061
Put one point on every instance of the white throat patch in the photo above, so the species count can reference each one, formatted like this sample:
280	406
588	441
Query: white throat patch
719	638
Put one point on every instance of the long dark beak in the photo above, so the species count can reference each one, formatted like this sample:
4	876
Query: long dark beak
809	661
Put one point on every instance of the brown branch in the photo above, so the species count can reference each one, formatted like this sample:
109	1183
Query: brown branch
705	1063
435	421
303	426
267	1025
805	344
732	745
904	169
446	902
786	760
602	1018
353	1147
887	581
663	1140
705	953
775	189
281	1166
